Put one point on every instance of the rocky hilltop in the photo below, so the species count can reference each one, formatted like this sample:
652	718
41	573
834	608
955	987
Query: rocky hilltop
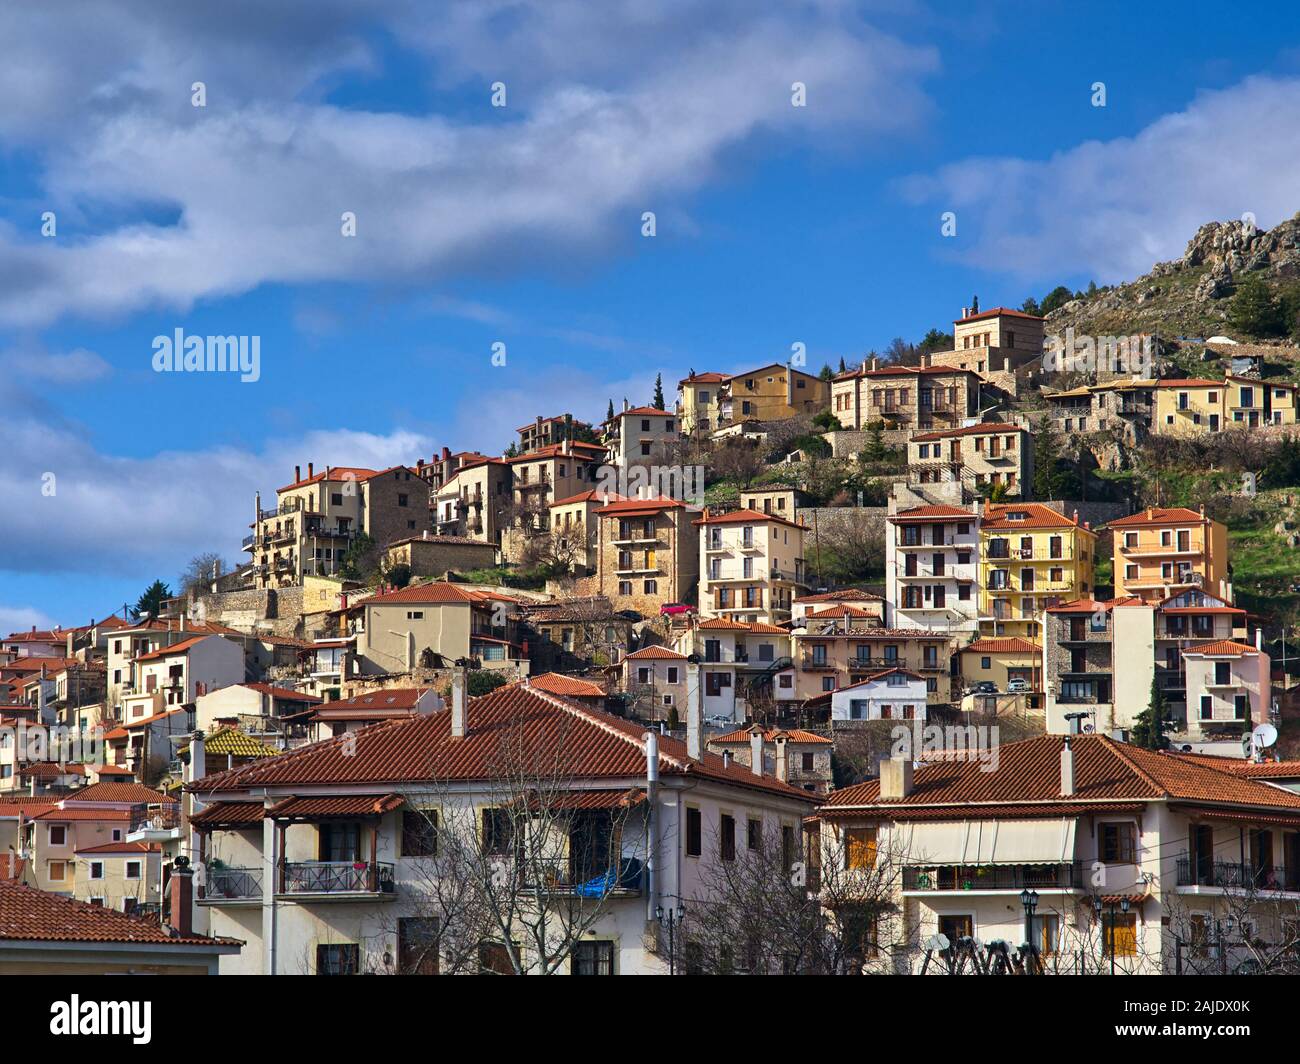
1188	296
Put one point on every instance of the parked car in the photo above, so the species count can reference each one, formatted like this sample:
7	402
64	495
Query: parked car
672	609
984	687
1018	686
719	721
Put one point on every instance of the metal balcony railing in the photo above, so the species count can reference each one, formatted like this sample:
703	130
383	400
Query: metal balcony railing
337	877
1233	875
236	884
1049	876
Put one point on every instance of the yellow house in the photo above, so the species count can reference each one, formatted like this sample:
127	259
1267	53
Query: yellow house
773	393
1031	557
1193	406
698	397
1002	660
1162	551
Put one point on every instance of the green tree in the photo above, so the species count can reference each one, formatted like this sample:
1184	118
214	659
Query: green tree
484	681
935	340
843	367
1056	298
874	450
399	575
358	559
1255	310
659	392
609	414
827	373
512	451
827	420
149	605
1149	726
1052	474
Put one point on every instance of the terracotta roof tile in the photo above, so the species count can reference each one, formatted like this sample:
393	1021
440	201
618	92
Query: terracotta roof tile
1221	648
1158	515
929	513
1009	645
848	594
569	686
997	516
655	654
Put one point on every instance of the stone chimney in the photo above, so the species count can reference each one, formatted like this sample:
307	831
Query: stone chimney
311	470
694	712
626	405
181	889
756	750
895	778
459	681
297	474
1067	769
782	757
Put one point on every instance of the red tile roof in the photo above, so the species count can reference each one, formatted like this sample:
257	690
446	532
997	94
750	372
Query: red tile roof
639	507
987	428
589	743
1038	516
331	806
1188	382
591	495
747	517
75	812
998	312
229	814
31	915
333	473
644	411
1220	648
841	611
176	648
11	867
704	378
569	686
394	698
848	594
795	735
285	694
1105	771
1158	515
905	371
1009	645
113	791
939	511
434	593
655	654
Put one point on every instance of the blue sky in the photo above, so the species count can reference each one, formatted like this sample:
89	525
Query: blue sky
521	224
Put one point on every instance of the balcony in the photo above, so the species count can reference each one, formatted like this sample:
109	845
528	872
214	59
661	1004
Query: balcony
1229	875
332	879
930	879
232	886
154	823
857	663
562	876
813	663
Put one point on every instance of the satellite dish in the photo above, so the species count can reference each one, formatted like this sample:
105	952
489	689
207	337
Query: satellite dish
939	941
1264	736
1088	728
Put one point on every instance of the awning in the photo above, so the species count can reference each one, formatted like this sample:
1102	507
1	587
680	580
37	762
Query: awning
326	807
980	842
1259	817
228	815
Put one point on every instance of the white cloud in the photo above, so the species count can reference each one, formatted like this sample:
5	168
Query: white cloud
611	113
1110	209
23	619
78	366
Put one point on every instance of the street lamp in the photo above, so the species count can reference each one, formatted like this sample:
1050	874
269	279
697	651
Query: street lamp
1097	905
1029	899
670	918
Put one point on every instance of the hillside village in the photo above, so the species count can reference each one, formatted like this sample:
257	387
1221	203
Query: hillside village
948	628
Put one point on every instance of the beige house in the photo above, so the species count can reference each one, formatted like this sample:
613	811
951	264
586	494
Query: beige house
428	555
905	399
428	625
318	517
738	661
647	554
126	876
1195	406
642	435
779	502
176	675
1228	690
806	754
751	566
699	398
999	660
866	603
476	501
548	431
654	679
976	456
576	522
998	344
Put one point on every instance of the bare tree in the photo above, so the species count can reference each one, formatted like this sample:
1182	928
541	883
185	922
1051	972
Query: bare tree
200	571
521	865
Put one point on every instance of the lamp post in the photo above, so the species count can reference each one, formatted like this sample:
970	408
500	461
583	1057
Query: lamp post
670	918
1029	899
1123	906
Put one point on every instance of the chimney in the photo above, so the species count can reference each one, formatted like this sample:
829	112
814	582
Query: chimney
875	362
756	750
182	896
726	759
459	681
782	758
198	758
1259	638
1067	769
626	404
694	712
925	360
1076	515
895	778
311	470
297	474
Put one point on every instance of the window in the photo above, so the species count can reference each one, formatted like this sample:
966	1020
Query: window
58	871
415	615
417	945
96	869
419	833
859	848
754	834
807	762
593	958
58	835
1119	843
672	673
1222	673
338	959
642	675
132	870
1119	931
1046	932
694	835
498	832
727	837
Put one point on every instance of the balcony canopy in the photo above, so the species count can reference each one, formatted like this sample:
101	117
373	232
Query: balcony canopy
986	842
